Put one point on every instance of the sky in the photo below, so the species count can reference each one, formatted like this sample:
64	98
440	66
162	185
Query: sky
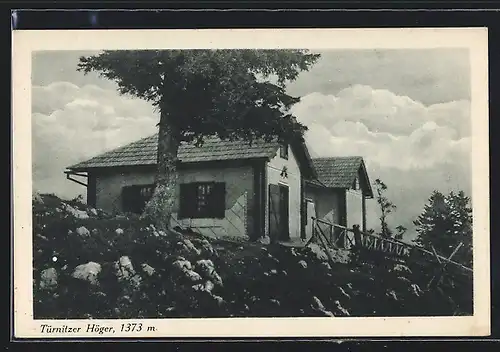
406	112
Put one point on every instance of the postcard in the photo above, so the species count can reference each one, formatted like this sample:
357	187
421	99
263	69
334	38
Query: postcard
251	183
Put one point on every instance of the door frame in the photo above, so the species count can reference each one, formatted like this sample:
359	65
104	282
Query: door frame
284	233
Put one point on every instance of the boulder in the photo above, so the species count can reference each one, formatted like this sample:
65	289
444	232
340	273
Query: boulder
341	309
124	268
83	231
416	290
88	272
76	213
392	295
182	264
37	198
207	268
264	240
190	247
48	279
148	269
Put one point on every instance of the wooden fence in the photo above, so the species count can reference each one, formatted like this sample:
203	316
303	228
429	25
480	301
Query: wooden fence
337	236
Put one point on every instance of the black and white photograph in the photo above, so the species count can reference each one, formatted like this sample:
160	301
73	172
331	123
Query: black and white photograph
319	177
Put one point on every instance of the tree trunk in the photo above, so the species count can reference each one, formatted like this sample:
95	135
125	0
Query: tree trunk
159	208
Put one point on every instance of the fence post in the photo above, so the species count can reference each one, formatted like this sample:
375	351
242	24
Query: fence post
357	236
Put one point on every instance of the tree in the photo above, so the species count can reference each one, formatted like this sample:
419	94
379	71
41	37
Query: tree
386	207
401	230
199	93
444	223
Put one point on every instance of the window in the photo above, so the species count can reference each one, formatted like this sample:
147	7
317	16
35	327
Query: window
134	198
284	151
202	200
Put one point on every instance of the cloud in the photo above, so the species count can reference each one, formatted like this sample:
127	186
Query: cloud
72	123
412	147
427	75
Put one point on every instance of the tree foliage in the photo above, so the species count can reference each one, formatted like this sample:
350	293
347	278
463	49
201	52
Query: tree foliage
445	222
386	207
211	92
199	93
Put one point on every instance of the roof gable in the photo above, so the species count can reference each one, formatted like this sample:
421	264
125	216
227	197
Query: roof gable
340	172
144	152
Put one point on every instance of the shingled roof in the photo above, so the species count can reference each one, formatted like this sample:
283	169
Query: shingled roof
144	152
340	172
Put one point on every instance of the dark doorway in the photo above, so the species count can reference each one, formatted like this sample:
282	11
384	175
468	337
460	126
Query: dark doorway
279	213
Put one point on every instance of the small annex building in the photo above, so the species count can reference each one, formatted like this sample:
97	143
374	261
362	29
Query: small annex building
231	188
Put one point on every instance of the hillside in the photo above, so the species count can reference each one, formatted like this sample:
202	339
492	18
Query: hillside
88	264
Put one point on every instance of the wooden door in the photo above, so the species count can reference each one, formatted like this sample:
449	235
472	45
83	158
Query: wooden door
278	213
284	213
310	213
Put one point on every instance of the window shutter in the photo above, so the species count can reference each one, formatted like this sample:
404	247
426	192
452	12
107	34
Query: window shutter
183	201
126	199
187	200
219	200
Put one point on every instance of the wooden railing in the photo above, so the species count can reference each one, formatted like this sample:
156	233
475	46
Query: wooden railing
337	236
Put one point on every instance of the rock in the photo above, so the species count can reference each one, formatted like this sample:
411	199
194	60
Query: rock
82	231
284	273
392	295
192	275
326	266
190	246
207	268
182	264
293	252
318	252
88	272
77	213
264	240
317	304
416	290
207	247
219	300
402	268
119	231
340	256
275	302
341	309
135	281
402	278
92	211
48	279
148	269
274	271
303	264
37	198
42	237
327	313
207	287
124	268
344	293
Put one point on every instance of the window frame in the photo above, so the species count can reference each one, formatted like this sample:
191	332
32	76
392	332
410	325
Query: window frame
214	207
284	151
127	207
